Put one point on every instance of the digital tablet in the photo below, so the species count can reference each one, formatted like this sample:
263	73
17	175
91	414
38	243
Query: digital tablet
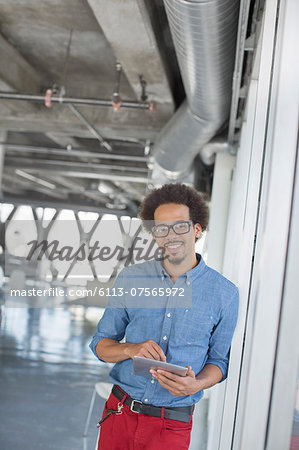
142	367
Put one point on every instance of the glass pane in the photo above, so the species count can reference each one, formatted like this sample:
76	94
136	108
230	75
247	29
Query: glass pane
294	445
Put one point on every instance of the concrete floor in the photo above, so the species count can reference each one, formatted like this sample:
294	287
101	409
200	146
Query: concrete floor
47	375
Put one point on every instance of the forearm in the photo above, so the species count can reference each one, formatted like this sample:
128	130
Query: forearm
209	376
110	350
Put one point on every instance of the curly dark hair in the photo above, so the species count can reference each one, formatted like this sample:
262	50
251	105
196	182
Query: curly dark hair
174	193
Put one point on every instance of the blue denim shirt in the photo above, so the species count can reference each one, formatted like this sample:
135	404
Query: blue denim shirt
194	329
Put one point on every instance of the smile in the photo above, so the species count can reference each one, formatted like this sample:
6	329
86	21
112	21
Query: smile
173	246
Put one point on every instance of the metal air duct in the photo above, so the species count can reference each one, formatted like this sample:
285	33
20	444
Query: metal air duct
204	34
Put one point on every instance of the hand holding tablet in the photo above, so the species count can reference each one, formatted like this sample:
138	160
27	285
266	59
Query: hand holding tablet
142	367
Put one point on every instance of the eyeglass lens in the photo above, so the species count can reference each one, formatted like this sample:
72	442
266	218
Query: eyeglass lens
178	228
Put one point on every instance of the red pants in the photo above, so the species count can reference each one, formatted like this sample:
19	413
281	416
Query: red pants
133	431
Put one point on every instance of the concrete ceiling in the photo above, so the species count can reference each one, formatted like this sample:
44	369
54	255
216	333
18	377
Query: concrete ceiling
75	44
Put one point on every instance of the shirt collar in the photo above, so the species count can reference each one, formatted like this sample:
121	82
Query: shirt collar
191	274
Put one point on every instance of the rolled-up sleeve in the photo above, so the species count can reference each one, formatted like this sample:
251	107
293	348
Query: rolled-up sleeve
220	341
115	319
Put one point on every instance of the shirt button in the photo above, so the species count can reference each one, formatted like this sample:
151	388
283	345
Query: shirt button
168	315
165	338
152	381
187	310
146	399
188	283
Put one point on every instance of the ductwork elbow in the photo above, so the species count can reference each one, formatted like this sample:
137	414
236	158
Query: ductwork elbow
204	34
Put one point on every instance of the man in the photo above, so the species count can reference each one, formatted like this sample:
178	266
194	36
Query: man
190	324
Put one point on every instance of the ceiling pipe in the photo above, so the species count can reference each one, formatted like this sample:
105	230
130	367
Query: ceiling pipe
90	127
217	145
150	106
204	34
71	153
25	163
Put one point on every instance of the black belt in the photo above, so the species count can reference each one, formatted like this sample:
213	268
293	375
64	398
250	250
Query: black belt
181	413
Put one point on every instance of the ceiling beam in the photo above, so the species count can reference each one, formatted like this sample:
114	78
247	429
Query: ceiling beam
128	29
127	124
63	141
16	74
19	186
20	162
74	206
92	175
72	153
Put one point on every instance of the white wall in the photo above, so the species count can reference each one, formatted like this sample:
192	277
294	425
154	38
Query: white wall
258	234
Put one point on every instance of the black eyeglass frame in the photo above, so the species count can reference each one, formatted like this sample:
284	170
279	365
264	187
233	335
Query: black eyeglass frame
189	222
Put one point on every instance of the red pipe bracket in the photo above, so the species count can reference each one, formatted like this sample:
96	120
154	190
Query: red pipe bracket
152	107
48	98
116	106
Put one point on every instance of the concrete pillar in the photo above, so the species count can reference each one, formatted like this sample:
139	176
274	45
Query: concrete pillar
224	165
221	192
3	135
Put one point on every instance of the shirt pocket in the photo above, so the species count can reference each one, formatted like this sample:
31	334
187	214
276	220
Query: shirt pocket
194	328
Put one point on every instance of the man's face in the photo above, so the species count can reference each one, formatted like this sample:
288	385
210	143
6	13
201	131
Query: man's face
176	247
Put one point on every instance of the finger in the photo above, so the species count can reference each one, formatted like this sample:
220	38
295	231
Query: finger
172	389
158	373
171	386
160	351
153	351
166	381
169	375
149	353
190	372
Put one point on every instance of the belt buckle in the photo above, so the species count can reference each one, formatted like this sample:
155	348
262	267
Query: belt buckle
132	406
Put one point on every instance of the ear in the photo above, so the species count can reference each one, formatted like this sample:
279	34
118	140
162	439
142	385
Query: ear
198	230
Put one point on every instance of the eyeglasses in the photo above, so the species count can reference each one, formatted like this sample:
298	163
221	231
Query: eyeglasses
162	230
